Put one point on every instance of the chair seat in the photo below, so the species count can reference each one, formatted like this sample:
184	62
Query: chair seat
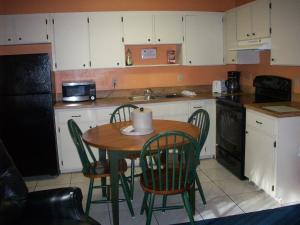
162	191
101	169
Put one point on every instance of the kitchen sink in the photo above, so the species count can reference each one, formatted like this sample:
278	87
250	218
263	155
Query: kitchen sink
174	95
141	98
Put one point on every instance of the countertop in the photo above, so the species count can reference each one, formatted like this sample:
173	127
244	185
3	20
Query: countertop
106	102
259	107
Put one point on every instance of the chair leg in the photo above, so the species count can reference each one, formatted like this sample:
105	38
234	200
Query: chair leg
126	193
89	197
144	204
200	190
132	178
164	203
187	206
150	209
104	190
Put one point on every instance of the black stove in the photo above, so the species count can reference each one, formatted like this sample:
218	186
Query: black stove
231	119
238	99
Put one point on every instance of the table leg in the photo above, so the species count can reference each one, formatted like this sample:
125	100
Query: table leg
113	162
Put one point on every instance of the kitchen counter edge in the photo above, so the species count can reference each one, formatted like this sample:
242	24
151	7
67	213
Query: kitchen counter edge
259	108
106	102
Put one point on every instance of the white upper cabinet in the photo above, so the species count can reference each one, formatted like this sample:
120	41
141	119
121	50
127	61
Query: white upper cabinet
106	47
285	19
71	41
203	44
153	28
230	42
6	30
168	28
24	29
31	28
253	20
138	28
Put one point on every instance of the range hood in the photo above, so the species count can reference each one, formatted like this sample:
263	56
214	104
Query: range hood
255	44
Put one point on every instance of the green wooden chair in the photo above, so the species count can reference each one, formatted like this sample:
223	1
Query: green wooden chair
122	113
97	169
200	118
175	177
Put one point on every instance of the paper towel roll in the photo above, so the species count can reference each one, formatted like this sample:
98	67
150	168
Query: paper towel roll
142	119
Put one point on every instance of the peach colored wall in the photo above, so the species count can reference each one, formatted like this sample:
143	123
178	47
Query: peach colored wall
248	72
135	77
42	6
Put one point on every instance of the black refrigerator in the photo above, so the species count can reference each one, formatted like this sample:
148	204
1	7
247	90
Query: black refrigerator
27	125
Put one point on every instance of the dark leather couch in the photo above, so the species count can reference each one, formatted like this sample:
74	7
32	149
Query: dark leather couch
60	206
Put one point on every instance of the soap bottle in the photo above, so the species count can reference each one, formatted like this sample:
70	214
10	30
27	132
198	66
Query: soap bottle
128	58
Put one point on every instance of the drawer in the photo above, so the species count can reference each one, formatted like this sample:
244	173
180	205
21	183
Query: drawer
261	122
167	109
82	115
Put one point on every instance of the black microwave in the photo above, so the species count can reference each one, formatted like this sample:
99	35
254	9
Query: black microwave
77	91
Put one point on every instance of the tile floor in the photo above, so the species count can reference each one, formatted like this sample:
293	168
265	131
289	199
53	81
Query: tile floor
225	195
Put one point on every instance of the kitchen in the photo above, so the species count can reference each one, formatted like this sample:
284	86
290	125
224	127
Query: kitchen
159	78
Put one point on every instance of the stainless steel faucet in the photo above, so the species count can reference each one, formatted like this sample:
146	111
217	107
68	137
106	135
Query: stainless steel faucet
148	93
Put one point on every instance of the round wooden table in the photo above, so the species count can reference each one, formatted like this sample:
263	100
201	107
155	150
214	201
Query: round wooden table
118	145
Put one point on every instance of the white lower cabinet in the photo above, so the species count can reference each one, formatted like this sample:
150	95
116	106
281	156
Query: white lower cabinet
169	110
90	117
69	160
209	148
272	155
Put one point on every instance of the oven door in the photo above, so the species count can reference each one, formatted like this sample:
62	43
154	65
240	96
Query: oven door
230	150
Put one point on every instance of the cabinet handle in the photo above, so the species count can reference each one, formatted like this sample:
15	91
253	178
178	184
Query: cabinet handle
246	132
76	116
149	39
273	59
20	38
118	63
197	107
91	127
158	39
190	62
232	60
83	65
253	34
9	39
258	122
248	35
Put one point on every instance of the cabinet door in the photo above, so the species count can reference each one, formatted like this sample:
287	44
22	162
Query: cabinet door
260	159
31	28
6	30
261	19
168	28
68	155
204	39
229	25
70	160
210	143
106	47
285	20
244	22
71	41
138	28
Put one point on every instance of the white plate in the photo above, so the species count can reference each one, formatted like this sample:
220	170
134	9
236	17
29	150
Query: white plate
135	132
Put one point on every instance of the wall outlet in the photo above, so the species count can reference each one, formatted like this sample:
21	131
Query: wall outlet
180	77
114	83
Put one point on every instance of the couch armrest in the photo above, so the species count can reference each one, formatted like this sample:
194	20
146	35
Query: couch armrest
60	203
